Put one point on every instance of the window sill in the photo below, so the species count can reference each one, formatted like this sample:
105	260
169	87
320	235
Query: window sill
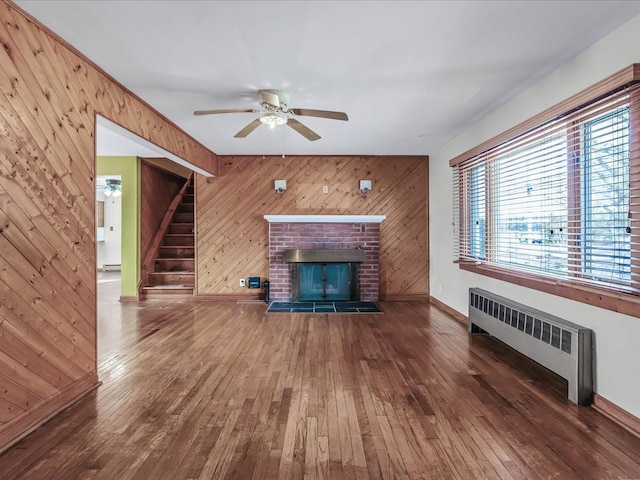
617	302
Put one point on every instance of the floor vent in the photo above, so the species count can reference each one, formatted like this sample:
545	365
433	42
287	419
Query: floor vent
563	347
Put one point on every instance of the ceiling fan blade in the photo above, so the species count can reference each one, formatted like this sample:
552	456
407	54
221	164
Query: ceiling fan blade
306	112
225	110
248	129
303	130
269	97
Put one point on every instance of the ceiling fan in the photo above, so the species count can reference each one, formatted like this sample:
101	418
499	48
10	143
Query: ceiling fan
276	111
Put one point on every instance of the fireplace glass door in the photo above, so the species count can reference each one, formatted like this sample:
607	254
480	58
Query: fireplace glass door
329	281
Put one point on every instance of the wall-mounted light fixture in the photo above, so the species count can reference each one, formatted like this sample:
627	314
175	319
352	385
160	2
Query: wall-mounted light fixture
114	188
365	186
281	186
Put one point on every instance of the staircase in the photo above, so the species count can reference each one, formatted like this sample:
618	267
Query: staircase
173	275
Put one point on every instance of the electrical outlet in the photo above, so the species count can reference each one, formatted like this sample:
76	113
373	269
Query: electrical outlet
439	288
325	189
242	282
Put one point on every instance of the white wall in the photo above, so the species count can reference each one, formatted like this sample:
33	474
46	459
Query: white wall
109	251
617	337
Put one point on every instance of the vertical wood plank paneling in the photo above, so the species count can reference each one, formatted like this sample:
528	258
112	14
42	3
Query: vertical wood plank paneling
233	235
49	98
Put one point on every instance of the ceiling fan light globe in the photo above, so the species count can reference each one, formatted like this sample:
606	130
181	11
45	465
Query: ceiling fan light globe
273	119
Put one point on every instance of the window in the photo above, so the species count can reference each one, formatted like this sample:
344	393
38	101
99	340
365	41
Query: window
477	206
607	246
530	206
554	199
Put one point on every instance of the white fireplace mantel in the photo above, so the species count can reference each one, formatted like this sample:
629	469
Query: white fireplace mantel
325	218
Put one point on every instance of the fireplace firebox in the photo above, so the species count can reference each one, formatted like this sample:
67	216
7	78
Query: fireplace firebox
324	275
324	281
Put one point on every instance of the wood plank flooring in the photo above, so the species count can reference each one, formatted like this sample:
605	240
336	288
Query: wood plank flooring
201	390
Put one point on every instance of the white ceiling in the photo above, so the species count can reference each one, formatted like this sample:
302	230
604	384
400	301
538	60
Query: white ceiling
411	75
114	144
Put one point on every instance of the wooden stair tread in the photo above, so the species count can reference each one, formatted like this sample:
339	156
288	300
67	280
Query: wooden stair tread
174	272
168	287
174	261
161	279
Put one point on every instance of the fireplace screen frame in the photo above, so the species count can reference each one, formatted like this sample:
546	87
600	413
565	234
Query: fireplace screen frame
350	256
354	284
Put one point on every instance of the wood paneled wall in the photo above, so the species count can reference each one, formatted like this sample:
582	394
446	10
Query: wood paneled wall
232	236
49	98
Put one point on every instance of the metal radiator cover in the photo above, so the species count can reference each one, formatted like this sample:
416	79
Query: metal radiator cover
559	345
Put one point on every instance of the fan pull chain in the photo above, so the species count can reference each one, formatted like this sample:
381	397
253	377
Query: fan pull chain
283	142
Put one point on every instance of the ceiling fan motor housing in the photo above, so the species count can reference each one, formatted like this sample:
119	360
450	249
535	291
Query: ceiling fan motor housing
274	100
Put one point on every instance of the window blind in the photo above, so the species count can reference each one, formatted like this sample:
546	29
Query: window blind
560	199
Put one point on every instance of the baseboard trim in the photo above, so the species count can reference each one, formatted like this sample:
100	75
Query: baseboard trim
449	311
405	297
226	297
29	421
129	298
234	297
620	416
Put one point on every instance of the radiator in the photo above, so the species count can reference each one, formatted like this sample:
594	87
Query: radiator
559	345
110	267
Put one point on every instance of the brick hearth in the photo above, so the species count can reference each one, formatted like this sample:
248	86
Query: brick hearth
290	236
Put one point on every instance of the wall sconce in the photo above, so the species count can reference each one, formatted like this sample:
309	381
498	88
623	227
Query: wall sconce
365	186
281	186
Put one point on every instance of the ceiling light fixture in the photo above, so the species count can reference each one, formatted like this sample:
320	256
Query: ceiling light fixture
273	119
114	188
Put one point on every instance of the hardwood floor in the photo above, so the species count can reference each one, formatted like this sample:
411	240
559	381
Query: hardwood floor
223	390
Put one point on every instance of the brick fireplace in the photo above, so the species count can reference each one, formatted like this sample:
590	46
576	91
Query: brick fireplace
327	232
